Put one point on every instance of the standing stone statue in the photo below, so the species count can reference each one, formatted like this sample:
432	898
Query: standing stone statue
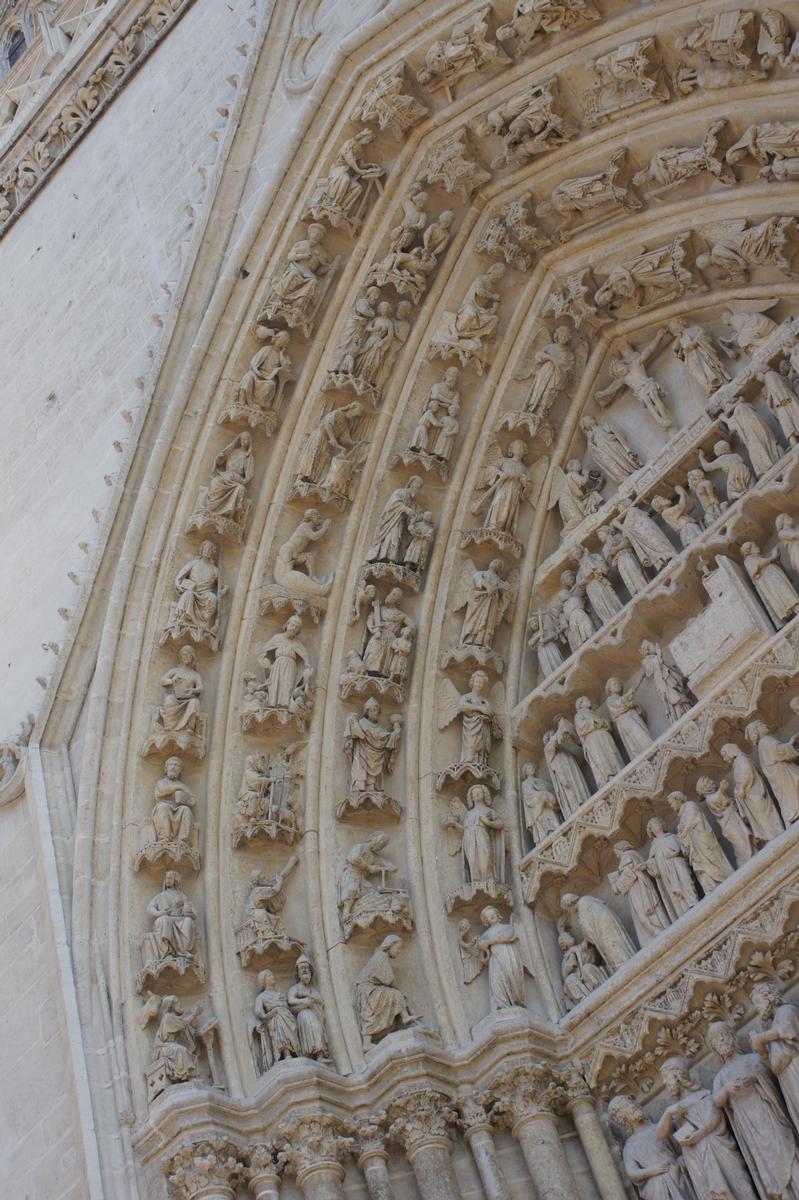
695	347
778	1043
574	620
601	927
778	762
781	400
308	1007
620	556
593	577
667	864
732	825
487	597
751	795
545	638
274	1025
379	1005
708	861
650	1163
704	493
599	748
393	528
575	491
505	484
633	881
480	724
550	367
610	450
788	536
541	814
647	539
478	833
670	687
709	1153
498	947
567	778
780	598
758	440
744	1088
628	718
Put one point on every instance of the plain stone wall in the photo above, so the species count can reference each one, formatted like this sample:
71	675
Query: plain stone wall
81	277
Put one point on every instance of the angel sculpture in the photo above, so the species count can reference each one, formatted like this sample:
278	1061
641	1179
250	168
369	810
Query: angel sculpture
477	833
257	397
736	247
477	709
505	483
488	598
552	366
497	946
576	493
629	374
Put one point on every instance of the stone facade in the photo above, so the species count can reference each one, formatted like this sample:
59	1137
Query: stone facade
403	584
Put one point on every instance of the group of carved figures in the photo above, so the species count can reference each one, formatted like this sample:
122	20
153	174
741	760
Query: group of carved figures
758	800
734	1139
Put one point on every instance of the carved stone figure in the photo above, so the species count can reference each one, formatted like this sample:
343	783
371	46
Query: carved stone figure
782	401
285	693
610	450
551	367
385	103
759	442
778	762
510	235
670	688
700	1129
678	514
653	275
620	556
170	832
362	906
528	123
505	484
372	750
751	795
574	620
600	927
600	750
592	576
467	50
433	439
257	397
394	548
469	333
708	861
588	192
371	359
544	631
408	267
453	165
539	805
580	970
533	17
195	613
262	933
498	948
171	945
628	718
650	544
224	506
267	804
632	880
175	1045
788	536
704	493
295	296
780	598
775	145
732	825
477	833
381	663
649	1161
306	1002
670	869
179	722
750	328
275	1026
630	75
675	164
379	1004
694	346
778	1042
480	726
737	476
629	373
295	583
736	247
488	598
575	491
744	1088
341	197
568	780
331	456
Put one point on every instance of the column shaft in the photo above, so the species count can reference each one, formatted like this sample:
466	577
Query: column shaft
432	1167
484	1153
375	1172
322	1181
599	1155
265	1186
538	1137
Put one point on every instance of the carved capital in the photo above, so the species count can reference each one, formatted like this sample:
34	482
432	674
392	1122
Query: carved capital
525	1092
312	1142
420	1117
473	1116
577	1093
213	1167
371	1139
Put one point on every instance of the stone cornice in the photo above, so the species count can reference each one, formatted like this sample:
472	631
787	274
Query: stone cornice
79	97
